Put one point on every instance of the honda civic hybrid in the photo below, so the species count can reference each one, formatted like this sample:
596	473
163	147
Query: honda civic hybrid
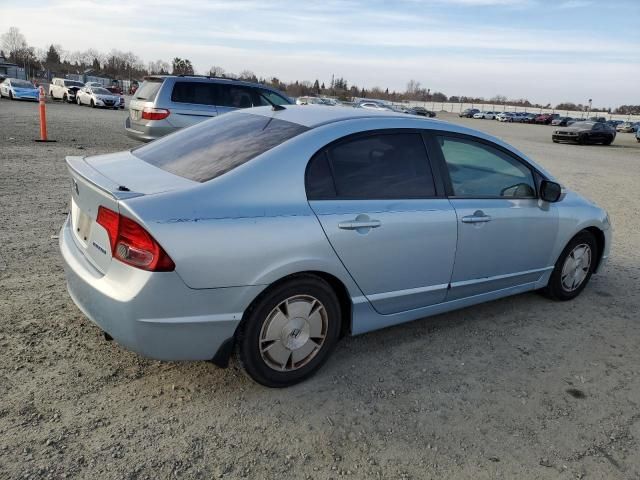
270	233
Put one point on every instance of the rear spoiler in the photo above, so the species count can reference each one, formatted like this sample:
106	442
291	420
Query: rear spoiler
78	165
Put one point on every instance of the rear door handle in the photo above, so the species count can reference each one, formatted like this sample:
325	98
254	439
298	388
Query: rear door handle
355	224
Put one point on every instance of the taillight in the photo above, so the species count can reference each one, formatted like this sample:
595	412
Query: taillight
150	113
132	244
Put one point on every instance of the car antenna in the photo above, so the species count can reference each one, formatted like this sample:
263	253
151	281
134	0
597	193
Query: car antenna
274	107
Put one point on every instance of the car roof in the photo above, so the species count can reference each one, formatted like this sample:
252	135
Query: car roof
201	78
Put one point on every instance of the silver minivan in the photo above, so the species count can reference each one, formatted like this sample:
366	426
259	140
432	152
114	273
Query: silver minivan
166	103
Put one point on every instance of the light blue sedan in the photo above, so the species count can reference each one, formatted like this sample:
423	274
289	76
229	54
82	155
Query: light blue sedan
16	89
272	232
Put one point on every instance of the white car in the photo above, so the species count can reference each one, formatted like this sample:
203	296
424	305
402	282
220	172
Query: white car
98	97
505	117
485	115
93	84
64	89
374	106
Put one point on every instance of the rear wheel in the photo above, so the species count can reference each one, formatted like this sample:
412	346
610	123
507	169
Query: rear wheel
574	268
289	332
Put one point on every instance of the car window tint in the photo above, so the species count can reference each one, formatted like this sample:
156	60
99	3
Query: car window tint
148	90
235	96
201	93
478	170
216	146
318	179
273	97
382	166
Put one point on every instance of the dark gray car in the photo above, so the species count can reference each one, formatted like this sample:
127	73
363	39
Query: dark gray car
166	103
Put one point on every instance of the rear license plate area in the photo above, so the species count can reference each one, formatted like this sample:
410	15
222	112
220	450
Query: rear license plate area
82	226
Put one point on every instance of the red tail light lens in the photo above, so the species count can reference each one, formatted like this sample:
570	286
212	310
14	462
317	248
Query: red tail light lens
150	113
132	244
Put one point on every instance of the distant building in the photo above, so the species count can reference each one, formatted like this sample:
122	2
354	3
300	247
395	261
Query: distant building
8	69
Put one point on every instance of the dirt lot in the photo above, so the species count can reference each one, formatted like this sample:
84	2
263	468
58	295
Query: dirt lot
517	388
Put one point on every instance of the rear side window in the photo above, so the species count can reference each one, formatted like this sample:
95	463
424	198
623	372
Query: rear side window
148	90
216	146
195	92
372	167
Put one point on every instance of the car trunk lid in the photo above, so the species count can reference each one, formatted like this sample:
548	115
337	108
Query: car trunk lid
105	181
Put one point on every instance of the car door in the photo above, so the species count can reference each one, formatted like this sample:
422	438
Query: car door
505	233
192	102
375	197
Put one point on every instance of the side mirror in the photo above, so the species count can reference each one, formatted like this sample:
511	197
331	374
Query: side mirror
550	191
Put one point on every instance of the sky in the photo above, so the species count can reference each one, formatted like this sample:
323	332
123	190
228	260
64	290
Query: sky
548	51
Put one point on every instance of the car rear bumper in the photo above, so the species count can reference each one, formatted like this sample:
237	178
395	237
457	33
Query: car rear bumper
145	133
153	314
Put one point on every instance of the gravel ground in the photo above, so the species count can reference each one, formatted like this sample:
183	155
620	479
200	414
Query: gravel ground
517	388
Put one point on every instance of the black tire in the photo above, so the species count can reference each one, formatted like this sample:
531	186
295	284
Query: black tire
65	99
608	142
250	330
555	288
93	104
11	95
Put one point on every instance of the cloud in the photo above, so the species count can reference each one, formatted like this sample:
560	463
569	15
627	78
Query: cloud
448	45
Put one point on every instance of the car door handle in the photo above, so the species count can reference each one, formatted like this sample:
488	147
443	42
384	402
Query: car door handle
355	224
476	218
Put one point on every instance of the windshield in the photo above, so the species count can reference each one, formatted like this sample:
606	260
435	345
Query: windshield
73	83
21	84
101	91
217	146
585	125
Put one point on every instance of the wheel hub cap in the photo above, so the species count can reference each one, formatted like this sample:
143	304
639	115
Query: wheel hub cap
576	267
293	333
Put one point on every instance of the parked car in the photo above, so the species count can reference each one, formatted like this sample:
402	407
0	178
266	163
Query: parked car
505	117
16	89
614	123
256	232
166	103
561	121
546	118
469	112
598	119
94	84
374	106
628	127
485	115
529	118
64	89
308	101
99	97
585	132
423	112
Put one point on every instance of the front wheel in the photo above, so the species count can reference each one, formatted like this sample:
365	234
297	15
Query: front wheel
93	104
78	100
608	142
11	95
574	268
289	332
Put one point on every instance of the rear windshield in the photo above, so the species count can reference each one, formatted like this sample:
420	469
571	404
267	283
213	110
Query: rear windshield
148	90
217	146
73	83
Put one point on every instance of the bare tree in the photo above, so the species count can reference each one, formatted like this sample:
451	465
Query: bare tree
13	41
216	71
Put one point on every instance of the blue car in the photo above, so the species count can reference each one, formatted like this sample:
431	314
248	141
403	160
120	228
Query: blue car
273	231
16	89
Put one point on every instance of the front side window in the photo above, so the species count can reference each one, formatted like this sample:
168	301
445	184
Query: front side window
235	96
214	147
478	170
380	166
